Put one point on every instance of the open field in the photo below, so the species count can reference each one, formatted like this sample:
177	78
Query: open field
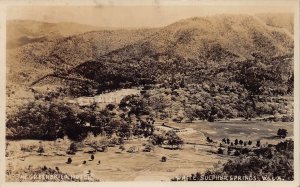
127	166
123	166
246	130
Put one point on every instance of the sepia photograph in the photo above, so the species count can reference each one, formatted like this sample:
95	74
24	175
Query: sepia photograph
111	93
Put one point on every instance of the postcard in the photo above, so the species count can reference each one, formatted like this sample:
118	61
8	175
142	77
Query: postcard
168	92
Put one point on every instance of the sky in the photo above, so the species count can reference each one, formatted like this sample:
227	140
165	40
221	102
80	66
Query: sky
131	16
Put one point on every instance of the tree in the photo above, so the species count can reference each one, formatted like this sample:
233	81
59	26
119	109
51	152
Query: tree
237	153
209	140
245	151
110	107
69	161
122	147
124	130
282	133
92	157
134	104
236	142
228	141
211	118
220	151
148	148
258	143
224	140
249	142
241	142
229	150
76	131
41	149
72	149
173	139
157	139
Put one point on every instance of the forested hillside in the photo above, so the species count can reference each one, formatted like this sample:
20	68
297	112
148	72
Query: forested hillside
208	68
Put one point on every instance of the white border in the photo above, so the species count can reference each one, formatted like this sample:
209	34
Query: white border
5	3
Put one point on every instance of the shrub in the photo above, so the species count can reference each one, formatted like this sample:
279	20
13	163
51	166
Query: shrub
237	153
258	143
148	148
249	142
69	161
110	107
220	151
245	151
132	149
41	149
157	139
72	149
282	133
28	148
122	148
173	139
236	142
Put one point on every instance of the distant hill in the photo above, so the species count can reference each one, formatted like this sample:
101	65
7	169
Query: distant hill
22	32
34	58
219	38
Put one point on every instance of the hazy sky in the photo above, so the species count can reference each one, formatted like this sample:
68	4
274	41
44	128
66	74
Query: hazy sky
130	16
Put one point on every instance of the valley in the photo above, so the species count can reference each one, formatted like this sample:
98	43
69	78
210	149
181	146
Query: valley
199	97
195	153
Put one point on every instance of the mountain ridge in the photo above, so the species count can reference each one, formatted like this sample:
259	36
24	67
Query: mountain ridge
218	39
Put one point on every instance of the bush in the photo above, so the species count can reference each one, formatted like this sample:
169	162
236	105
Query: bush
148	148
41	149
69	161
110	107
132	149
245	151
237	153
122	148
282	133
220	151
157	139
287	119
28	148
173	139
72	149
258	143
